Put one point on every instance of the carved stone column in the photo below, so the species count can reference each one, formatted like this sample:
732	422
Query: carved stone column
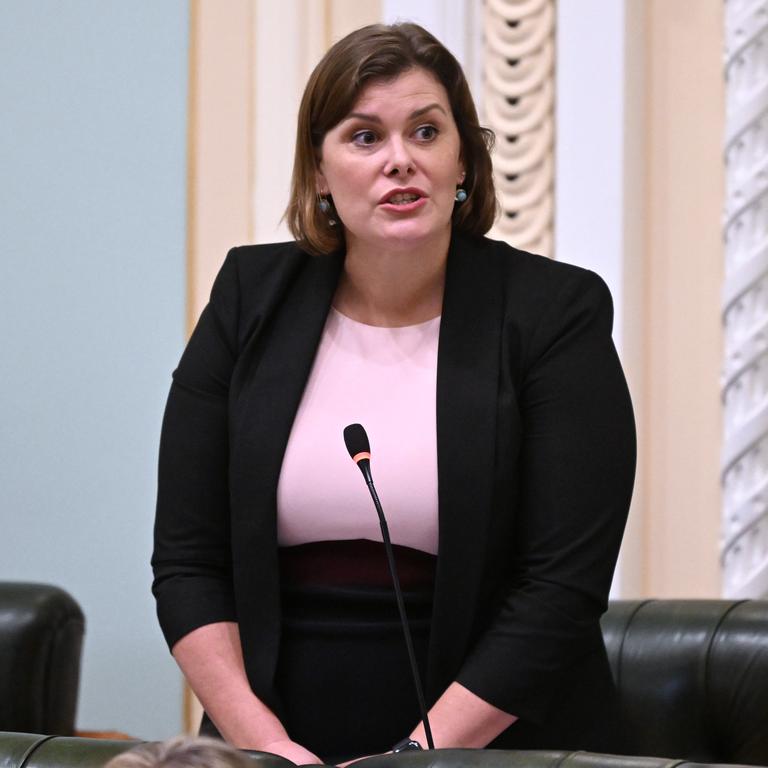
519	107
744	555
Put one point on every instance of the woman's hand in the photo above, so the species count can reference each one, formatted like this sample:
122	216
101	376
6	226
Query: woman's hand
461	719
211	657
292	751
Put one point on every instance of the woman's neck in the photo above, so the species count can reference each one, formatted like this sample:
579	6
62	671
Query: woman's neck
392	287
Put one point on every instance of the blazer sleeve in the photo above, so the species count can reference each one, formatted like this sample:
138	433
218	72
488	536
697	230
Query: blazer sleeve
576	472
191	559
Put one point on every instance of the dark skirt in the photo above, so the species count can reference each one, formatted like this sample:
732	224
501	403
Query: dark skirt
343	673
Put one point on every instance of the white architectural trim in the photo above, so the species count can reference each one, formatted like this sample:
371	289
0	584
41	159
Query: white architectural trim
744	557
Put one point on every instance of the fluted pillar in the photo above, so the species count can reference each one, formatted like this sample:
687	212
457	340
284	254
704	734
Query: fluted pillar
744	554
519	107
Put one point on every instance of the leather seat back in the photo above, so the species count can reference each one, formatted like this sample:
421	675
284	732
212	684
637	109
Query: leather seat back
41	637
692	677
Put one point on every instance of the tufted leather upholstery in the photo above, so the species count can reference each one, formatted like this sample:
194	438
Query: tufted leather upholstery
468	758
693	677
22	750
41	635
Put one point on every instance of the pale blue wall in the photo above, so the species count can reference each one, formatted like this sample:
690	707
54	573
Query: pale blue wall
92	223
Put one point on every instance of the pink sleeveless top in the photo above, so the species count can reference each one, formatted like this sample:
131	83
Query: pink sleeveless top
385	379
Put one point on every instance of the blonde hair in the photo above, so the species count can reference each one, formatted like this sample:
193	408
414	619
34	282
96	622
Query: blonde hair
182	752
377	53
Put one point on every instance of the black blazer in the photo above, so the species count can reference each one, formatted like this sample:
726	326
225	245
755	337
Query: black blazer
536	457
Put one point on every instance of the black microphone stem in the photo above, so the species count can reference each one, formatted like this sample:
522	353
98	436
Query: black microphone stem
401	608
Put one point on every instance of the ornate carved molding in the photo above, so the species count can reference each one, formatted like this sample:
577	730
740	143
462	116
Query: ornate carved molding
744	554
519	107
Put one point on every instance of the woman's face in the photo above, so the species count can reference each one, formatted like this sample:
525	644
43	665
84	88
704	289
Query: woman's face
392	165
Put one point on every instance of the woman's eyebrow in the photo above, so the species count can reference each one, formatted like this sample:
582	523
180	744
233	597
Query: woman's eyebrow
376	119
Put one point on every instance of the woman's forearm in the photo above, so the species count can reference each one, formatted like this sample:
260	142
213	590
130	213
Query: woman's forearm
211	658
460	718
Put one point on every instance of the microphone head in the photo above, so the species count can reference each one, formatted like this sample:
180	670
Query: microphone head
357	442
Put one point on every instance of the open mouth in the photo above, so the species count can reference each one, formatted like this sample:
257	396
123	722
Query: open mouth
403	198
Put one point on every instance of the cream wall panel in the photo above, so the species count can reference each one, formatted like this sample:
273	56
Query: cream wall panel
593	100
220	149
347	15
631	300
683	333
281	68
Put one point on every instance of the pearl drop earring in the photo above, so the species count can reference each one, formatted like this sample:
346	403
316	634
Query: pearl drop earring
325	206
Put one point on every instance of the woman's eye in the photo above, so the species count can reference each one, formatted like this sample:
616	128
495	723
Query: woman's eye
364	138
426	132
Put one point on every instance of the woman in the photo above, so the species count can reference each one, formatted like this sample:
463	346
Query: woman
502	433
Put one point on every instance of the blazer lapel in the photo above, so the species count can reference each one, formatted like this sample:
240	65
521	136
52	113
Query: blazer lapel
270	398
467	393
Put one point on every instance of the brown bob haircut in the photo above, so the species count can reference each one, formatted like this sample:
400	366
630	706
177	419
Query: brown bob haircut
372	54
182	752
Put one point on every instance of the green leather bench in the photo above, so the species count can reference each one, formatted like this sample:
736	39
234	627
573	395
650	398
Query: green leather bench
41	638
23	750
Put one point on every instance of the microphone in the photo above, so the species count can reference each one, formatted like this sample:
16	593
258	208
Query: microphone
359	449
356	440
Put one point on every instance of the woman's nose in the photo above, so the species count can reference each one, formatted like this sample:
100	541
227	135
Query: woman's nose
399	161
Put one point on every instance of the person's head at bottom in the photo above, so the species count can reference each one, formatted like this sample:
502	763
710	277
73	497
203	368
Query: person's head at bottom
182	752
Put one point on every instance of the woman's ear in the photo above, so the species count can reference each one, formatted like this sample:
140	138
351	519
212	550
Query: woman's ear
321	185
